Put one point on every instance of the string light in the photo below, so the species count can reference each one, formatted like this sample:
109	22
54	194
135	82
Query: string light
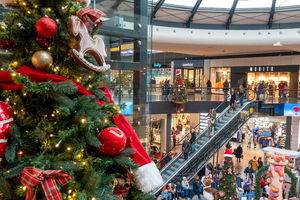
57	20
69	191
51	135
105	120
69	148
57	145
93	198
24	188
28	12
35	6
24	94
49	9
83	120
83	163
20	153
24	3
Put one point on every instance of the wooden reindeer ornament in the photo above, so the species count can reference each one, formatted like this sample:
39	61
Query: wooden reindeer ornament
85	43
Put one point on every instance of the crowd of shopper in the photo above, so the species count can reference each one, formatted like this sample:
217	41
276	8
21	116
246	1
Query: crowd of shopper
263	89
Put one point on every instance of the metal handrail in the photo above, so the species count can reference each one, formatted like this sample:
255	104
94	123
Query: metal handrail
184	138
196	154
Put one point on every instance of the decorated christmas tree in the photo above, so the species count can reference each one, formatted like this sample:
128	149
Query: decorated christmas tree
58	128
227	189
180	95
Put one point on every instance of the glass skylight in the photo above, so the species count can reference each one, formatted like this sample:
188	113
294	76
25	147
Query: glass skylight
189	3
254	4
216	3
281	3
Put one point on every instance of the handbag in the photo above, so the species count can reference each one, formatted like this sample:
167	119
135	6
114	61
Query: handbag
235	105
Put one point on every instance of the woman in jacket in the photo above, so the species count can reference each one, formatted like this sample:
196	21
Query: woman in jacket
239	153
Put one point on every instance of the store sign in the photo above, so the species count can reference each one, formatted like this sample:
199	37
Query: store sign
292	110
159	65
188	65
262	69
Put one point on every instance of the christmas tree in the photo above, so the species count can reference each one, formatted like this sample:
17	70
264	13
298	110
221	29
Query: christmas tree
180	95
58	128
227	189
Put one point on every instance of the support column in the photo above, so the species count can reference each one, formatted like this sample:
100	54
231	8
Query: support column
163	135
288	132
169	131
295	136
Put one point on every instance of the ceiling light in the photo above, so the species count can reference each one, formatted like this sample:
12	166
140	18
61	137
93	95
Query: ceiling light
277	44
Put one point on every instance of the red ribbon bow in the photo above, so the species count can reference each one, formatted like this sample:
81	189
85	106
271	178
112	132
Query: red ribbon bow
93	14
32	176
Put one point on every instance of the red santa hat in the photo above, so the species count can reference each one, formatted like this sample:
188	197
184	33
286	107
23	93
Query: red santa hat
228	153
147	175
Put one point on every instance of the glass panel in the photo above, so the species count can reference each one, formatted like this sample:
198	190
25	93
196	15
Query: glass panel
118	14
189	3
254	4
280	3
216	4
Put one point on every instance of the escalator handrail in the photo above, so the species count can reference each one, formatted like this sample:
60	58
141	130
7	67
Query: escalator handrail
201	133
184	138
240	125
196	153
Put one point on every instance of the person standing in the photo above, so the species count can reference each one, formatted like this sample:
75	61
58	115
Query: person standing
239	153
232	100
241	94
193	139
186	149
239	180
260	163
249	171
185	187
247	184
225	89
208	85
254	163
174	136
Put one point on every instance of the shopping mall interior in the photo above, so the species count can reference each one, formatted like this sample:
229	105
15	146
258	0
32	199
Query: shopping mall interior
150	99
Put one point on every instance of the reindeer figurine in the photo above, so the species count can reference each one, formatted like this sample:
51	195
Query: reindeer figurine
86	44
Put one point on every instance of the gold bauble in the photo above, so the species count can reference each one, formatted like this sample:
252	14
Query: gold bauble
41	59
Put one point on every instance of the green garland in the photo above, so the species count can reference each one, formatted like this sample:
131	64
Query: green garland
259	174
293	190
288	171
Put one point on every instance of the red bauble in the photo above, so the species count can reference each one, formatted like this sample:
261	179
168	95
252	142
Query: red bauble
42	41
7	44
113	141
6	121
46	27
228	191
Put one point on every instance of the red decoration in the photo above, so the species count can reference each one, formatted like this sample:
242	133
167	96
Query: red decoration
32	176
46	27
113	141
93	14
6	121
7	44
42	41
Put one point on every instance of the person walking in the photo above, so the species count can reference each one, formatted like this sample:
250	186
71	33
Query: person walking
260	162
225	89
239	153
254	163
239	180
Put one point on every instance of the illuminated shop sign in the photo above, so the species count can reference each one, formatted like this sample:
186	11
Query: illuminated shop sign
188	63
289	68
262	69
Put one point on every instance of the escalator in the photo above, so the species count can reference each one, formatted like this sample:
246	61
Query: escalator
227	124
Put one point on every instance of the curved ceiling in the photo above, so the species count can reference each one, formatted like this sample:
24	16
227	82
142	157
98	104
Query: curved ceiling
227	14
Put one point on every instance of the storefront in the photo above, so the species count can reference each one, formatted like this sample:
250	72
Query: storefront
159	74
270	75
218	75
191	70
267	131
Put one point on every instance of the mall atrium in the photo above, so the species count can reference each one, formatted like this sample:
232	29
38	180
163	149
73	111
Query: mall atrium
149	100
